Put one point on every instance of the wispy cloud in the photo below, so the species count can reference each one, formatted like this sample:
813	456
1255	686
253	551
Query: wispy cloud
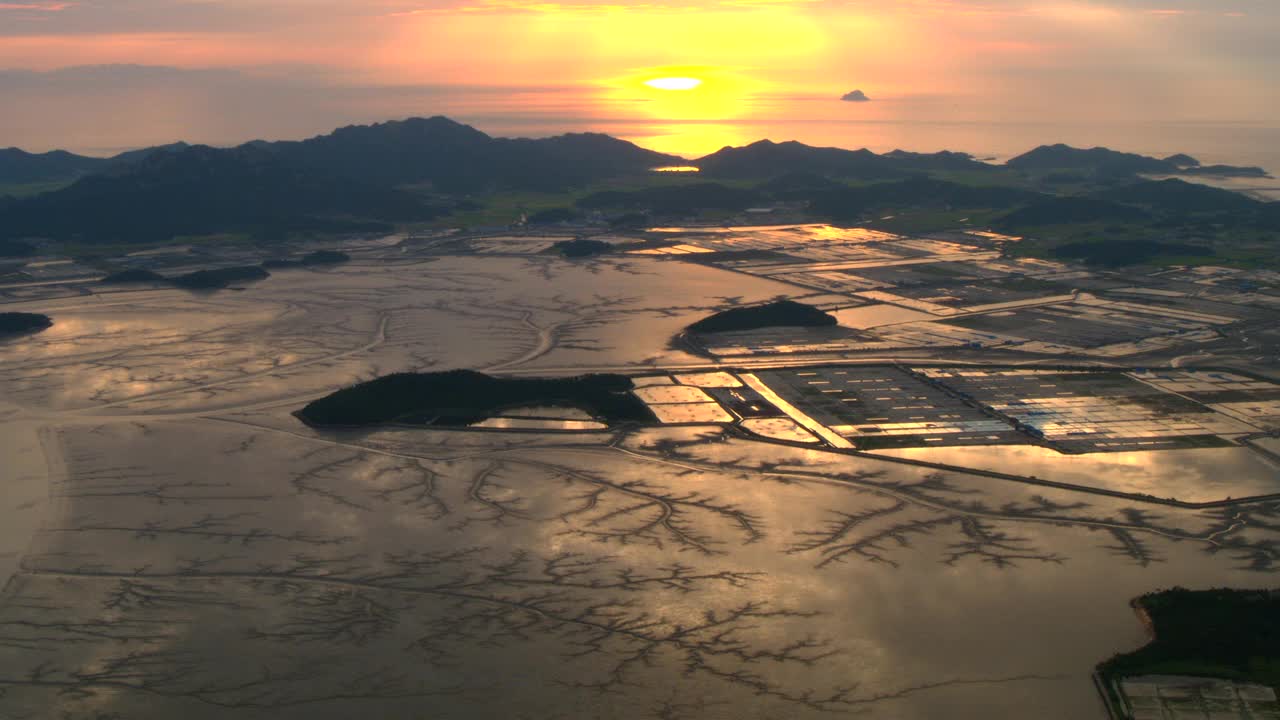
37	6
591	6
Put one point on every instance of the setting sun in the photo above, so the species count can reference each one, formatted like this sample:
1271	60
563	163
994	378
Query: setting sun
673	83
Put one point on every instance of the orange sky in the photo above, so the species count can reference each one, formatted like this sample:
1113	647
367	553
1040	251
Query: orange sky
763	62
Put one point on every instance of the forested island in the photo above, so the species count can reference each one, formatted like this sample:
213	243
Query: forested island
781	313
199	280
319	257
1221	633
220	278
463	397
581	247
14	323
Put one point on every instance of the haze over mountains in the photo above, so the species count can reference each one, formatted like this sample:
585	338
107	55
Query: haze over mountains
369	178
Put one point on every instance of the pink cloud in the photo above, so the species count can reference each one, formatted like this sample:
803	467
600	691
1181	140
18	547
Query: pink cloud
37	6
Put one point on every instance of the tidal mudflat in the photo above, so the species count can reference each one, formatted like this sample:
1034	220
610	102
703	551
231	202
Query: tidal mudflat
196	551
1196	476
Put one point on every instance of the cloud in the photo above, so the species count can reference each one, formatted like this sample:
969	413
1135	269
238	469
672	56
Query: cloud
37	6
855	96
108	108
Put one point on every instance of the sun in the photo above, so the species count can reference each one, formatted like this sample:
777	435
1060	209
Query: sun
673	83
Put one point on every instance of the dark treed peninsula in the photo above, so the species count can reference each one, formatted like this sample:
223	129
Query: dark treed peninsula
133	275
220	278
464	397
14	323
581	247
214	279
1221	633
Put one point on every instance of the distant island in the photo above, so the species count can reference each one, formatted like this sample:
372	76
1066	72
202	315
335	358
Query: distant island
15	323
220	278
1216	634
216	279
1226	171
581	247
463	397
1107	162
781	313
125	277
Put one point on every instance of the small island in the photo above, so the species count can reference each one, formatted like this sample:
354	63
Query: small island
15	323
1217	645
220	278
1226	171
319	257
781	313
581	247
463	397
125	277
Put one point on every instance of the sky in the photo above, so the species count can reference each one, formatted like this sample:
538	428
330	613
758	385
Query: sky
100	76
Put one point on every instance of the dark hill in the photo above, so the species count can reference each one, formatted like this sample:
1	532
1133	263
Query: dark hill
570	160
15	323
342	182
783	313
463	397
134	156
220	278
939	161
766	159
1117	253
458	158
800	185
1219	633
435	150
1225	171
1099	159
1177	196
582	247
1182	160
852	202
19	167
1106	163
1070	210
202	190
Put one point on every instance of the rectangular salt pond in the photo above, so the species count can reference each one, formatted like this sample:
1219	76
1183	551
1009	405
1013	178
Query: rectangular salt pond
659	394
869	316
698	412
1199	475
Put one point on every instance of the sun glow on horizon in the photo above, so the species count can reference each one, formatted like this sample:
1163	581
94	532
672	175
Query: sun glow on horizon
673	83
